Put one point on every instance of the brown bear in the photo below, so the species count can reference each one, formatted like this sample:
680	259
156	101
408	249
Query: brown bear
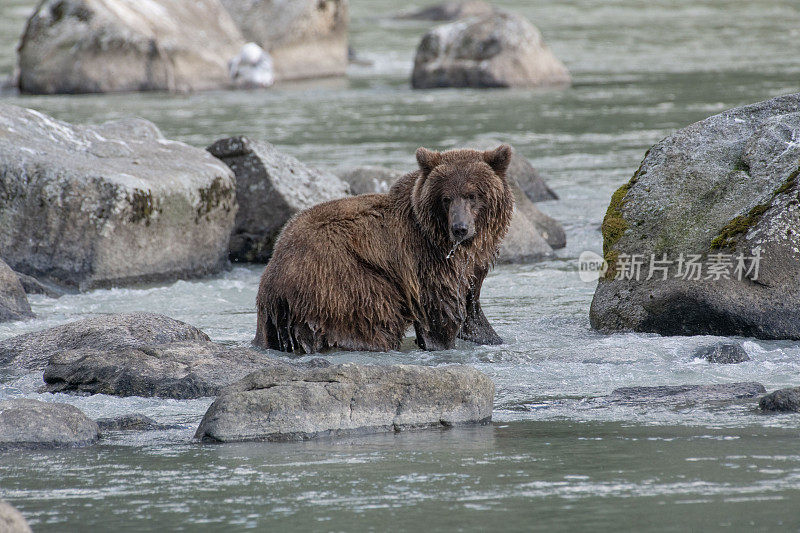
355	273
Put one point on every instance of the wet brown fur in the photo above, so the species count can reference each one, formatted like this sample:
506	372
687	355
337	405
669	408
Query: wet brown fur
355	273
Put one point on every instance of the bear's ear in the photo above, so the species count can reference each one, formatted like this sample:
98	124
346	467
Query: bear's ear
428	159
498	159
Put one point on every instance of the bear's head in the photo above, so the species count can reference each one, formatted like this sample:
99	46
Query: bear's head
462	197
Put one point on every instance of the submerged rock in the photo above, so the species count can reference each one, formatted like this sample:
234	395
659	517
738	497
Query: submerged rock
725	353
369	180
98	46
107	205
31	423
134	422
13	301
448	11
724	191
11	520
179	370
271	188
306	38
786	400
287	404
687	393
32	351
498	50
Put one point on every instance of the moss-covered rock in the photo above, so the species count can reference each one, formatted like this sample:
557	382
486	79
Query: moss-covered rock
722	191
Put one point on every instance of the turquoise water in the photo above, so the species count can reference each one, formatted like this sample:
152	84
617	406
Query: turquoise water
553	459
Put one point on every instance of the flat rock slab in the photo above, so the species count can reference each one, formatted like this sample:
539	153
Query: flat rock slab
180	370
32	351
723	353
687	393
110	204
289	404
31	423
785	400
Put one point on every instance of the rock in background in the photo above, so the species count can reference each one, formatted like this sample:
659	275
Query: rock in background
783	400
449	11
286	404
34	424
497	50
97	46
722	353
11	520
306	38
726	185
369	180
271	187
99	206
13	301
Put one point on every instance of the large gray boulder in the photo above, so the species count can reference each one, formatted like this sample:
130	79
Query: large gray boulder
32	351
286	404
94	46
497	50
271	187
724	189
13	301
31	423
99	206
11	520
306	38
448	11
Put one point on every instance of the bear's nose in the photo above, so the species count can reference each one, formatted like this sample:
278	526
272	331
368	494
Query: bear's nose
459	230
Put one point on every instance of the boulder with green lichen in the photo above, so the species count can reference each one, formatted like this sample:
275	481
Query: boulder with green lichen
724	190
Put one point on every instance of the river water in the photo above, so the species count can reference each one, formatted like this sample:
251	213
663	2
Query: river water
553	458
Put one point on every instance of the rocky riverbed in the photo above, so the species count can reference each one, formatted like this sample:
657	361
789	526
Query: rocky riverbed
564	451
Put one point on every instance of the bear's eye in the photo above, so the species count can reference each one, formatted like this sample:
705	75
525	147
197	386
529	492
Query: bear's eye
446	200
471	197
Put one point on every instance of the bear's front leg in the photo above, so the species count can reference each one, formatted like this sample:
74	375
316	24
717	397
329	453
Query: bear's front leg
442	337
476	327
